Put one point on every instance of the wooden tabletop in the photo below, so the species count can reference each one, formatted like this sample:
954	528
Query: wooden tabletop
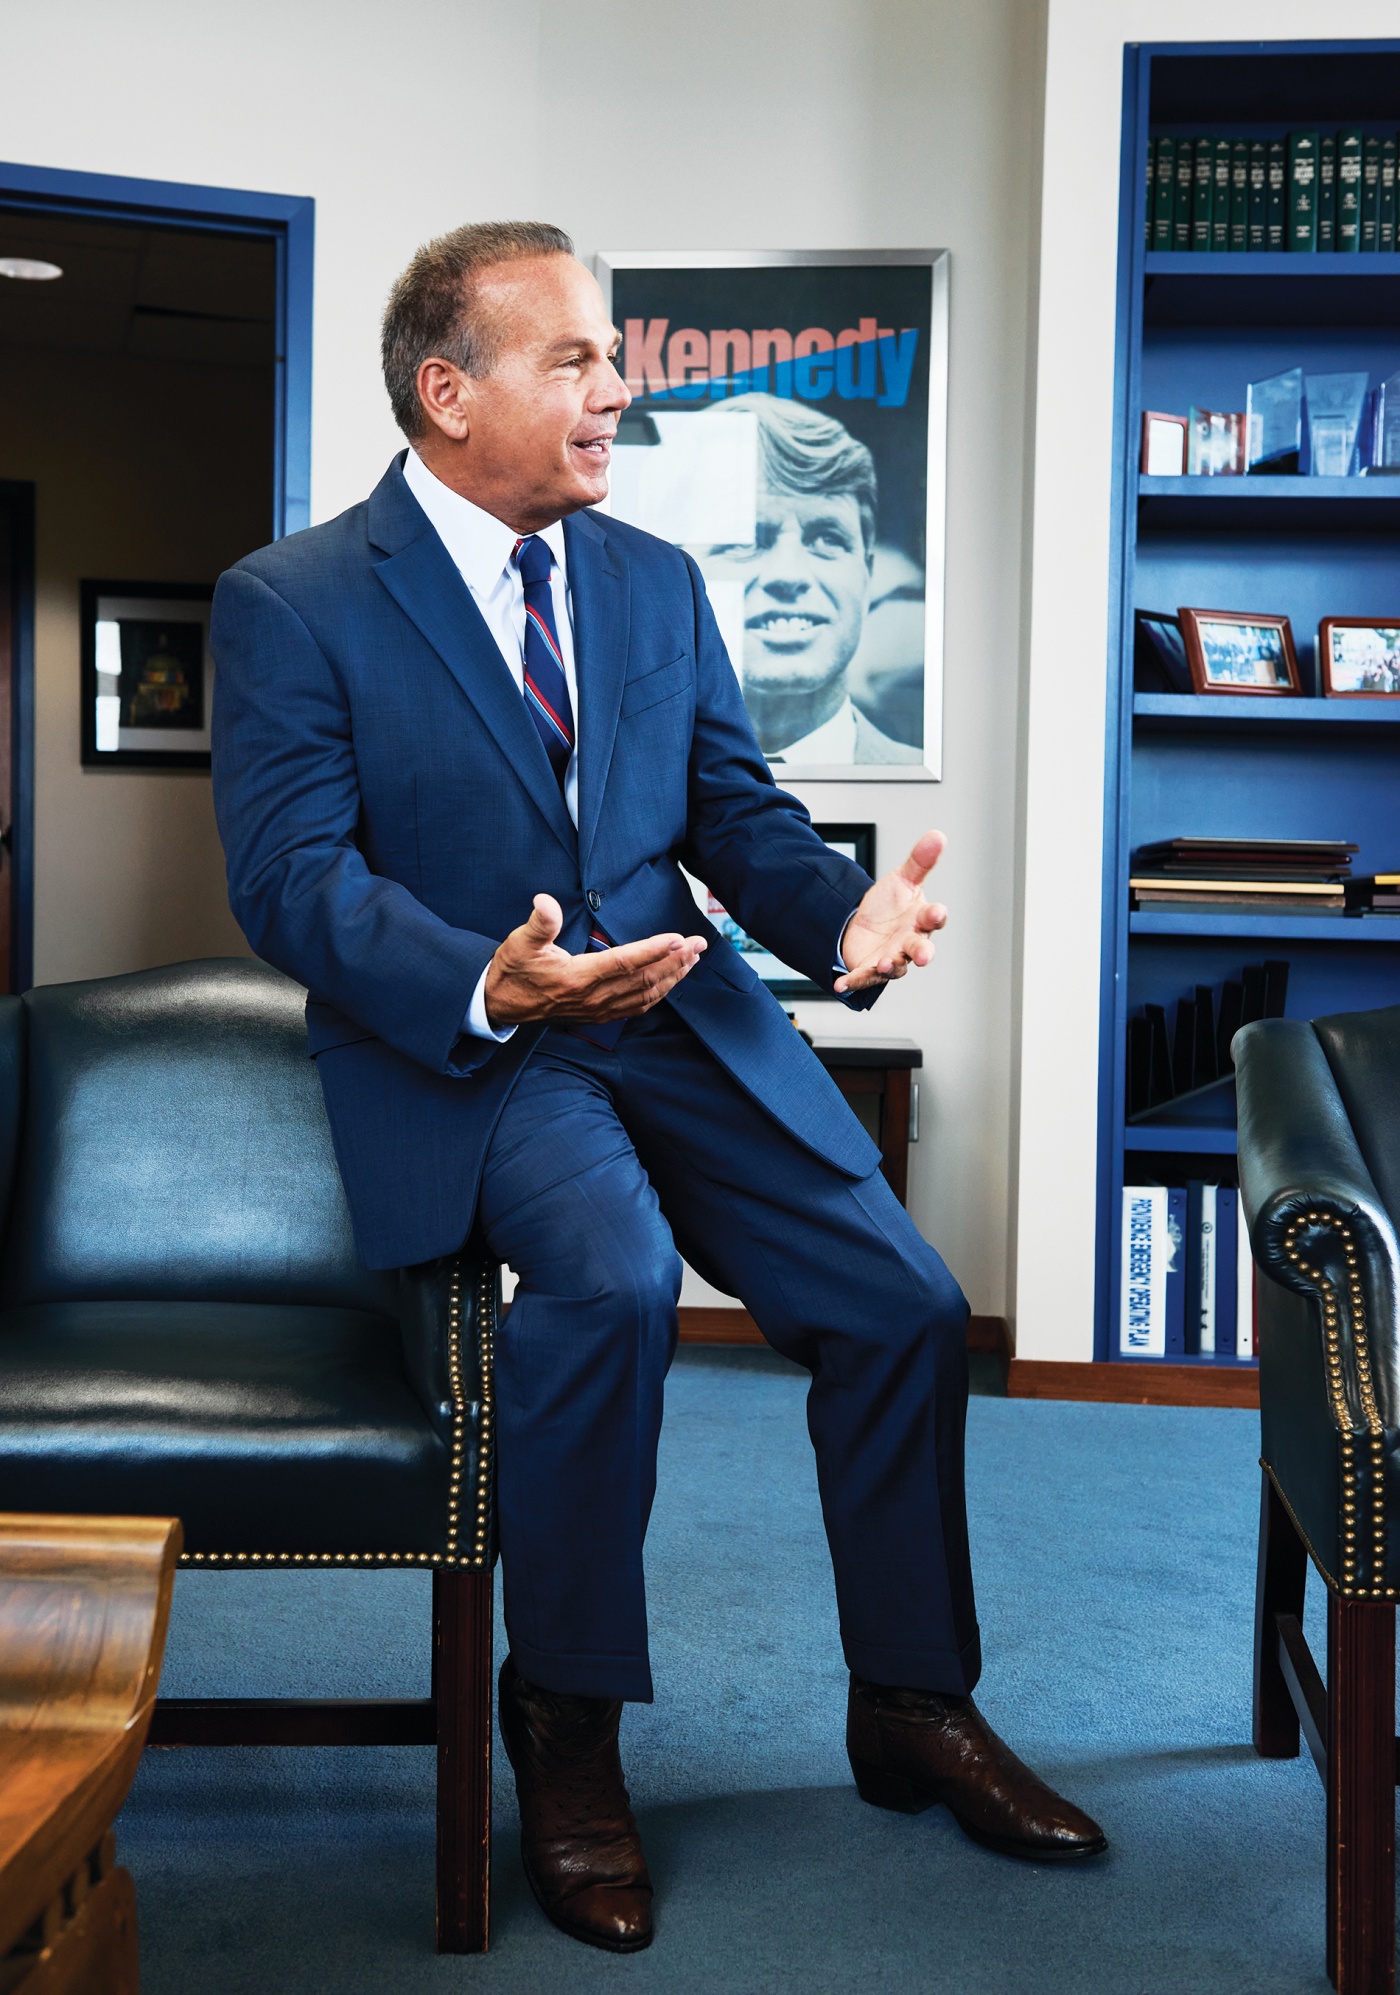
84	1606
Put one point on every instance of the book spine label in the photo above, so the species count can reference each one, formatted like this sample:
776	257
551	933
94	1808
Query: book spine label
1150	193
1370	192
1327	192
1276	230
1220	197
1185	190
1244	1292
1348	190
1206	1267
1239	196
1174	1339
1386	229
1203	193
1302	190
1142	1327
1258	194
1226	1269
1164	193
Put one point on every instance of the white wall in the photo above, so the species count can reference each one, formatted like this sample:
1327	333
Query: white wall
640	123
1059	1052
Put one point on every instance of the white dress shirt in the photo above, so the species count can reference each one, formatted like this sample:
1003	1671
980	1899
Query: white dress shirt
482	549
833	741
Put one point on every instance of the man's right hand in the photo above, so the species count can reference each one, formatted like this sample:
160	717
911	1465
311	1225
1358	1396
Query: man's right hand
532	980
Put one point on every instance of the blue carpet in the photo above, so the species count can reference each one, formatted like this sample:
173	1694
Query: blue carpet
1114	1550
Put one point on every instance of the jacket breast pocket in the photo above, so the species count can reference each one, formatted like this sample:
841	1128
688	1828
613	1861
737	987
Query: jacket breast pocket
662	683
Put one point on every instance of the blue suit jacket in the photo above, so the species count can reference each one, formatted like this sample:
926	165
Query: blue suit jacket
388	813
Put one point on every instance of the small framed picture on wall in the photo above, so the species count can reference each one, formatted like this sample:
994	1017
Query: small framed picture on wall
1359	657
1235	651
852	841
147	675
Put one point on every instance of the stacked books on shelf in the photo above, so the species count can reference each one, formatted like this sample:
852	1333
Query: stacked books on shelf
1188	1274
1374	893
1180	1068
1310	191
1302	875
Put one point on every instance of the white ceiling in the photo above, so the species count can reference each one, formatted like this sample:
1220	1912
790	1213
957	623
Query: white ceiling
159	294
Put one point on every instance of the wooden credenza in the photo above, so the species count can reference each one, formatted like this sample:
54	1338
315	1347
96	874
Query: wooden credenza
883	1069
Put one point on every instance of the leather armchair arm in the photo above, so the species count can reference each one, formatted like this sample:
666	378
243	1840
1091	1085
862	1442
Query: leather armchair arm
1317	1224
448	1311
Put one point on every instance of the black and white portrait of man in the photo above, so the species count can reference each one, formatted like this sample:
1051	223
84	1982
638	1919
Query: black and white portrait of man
807	585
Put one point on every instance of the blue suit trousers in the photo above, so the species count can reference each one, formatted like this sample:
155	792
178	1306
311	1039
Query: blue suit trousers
601	1165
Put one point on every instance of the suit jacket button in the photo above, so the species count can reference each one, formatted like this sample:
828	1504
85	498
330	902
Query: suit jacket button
595	899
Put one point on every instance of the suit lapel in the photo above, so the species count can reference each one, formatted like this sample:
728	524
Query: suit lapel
599	601
423	580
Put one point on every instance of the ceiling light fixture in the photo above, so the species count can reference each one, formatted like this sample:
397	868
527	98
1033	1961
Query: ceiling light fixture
30	269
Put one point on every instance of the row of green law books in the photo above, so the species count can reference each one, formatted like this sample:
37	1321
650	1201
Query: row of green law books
1310	191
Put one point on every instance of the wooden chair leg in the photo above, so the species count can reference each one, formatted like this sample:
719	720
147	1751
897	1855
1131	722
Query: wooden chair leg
1279	1589
462	1628
1361	1796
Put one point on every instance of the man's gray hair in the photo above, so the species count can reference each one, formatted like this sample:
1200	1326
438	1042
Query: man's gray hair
806	453
432	315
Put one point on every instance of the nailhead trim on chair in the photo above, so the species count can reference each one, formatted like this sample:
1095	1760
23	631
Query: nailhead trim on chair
1374	1437
476	1559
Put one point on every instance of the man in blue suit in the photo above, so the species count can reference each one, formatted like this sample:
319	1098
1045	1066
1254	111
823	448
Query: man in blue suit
465	737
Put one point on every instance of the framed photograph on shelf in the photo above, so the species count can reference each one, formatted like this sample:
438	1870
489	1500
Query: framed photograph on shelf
1358	658
1233	651
1163	445
853	841
1159	650
787	430
147	675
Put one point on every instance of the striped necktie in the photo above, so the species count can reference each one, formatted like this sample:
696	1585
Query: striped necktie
547	697
546	688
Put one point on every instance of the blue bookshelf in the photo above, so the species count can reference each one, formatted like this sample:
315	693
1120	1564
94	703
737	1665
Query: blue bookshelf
1195	329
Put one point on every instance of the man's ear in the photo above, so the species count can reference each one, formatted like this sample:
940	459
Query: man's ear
445	394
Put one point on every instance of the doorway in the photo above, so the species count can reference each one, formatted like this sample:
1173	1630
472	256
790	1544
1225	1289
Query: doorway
154	428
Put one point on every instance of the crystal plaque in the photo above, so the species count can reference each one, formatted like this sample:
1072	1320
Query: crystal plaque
1274	423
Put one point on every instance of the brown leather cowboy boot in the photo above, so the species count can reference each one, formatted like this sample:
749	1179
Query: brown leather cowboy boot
911	1748
578	1839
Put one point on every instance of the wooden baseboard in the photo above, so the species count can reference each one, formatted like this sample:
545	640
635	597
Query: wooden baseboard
736	1326
1134	1385
718	1326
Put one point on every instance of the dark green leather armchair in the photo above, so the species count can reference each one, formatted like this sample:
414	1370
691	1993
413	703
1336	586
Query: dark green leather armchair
185	1330
1319	1158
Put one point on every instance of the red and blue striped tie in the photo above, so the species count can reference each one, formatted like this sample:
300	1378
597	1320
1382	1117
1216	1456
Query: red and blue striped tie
547	697
546	688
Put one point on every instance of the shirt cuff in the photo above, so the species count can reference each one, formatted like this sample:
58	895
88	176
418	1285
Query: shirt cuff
477	1024
838	963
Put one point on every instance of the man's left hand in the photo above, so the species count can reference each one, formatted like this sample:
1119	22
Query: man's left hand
890	930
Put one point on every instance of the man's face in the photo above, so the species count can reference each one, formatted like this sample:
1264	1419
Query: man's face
805	584
531	440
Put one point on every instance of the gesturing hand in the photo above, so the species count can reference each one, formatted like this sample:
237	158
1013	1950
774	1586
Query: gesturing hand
891	927
532	979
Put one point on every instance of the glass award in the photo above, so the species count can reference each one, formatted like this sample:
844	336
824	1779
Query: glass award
1274	423
1385	461
1335	403
1214	443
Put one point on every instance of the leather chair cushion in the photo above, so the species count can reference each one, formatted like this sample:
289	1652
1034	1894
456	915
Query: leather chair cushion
176	1145
264	1428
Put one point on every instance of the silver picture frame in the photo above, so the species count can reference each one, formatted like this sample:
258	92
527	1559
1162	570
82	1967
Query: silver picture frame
838	360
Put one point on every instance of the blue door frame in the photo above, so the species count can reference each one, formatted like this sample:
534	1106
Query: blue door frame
288	222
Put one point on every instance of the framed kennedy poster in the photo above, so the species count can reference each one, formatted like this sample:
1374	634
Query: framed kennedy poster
788	430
